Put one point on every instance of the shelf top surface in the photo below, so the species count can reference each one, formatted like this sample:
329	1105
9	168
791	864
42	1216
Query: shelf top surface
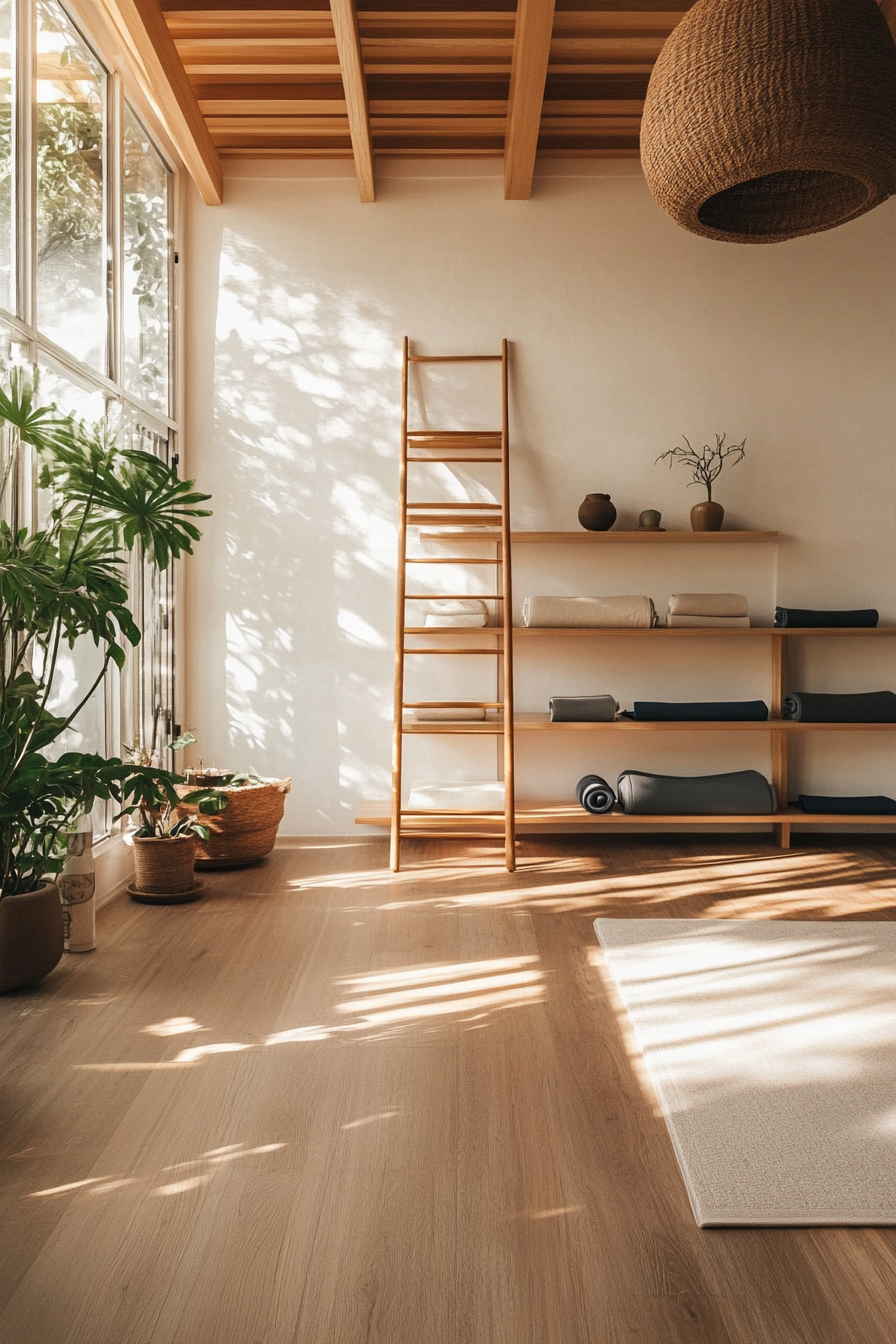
644	536
377	813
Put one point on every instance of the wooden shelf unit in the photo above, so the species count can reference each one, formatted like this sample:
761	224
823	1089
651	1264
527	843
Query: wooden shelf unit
569	817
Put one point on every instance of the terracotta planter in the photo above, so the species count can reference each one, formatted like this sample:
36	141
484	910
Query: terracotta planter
707	517
164	868
31	936
247	828
597	513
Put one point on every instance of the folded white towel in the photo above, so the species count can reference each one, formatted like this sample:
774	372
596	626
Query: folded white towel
468	796
707	622
462	714
466	612
707	604
434	620
588	612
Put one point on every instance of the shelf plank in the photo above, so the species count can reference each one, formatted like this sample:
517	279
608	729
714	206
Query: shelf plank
702	632
376	813
643	536
542	722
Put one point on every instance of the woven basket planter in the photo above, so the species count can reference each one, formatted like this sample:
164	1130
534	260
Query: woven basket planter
769	119
164	866
247	828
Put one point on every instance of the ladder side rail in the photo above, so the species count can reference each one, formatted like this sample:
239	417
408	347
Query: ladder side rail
507	599
401	587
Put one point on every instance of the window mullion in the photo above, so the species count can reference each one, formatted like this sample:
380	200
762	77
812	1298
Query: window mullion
25	214
114	225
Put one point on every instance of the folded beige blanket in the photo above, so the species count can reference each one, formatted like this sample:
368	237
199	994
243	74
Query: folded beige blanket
461	713
707	622
588	612
707	604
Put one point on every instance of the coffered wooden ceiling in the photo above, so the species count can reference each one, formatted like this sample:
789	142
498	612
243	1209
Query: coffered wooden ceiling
363	79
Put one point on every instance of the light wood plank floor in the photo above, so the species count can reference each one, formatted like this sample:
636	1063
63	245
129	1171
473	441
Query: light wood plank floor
332	1105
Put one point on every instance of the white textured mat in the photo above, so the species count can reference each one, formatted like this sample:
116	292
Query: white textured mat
772	1049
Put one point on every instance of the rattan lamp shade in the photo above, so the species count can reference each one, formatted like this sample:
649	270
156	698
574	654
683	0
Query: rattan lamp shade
769	119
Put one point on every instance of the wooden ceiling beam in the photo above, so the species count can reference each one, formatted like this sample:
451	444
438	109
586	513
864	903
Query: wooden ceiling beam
151	53
531	52
348	44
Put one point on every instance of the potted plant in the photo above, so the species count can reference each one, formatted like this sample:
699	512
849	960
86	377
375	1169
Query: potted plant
59	582
705	467
243	833
165	843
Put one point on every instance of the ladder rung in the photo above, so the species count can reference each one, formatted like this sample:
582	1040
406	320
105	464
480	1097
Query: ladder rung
430	518
454	560
455	359
444	457
452	504
452	812
453	597
466	535
466	630
456	436
453	653
453	704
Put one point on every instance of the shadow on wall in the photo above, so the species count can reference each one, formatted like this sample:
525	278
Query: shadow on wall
306	408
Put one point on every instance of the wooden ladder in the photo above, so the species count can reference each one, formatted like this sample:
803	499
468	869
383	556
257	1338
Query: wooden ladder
450	523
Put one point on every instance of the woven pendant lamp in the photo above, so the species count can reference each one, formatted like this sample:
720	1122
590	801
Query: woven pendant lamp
769	119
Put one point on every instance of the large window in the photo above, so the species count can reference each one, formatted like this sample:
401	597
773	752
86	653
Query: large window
86	269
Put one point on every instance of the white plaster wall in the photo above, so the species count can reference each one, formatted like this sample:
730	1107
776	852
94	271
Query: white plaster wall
626	332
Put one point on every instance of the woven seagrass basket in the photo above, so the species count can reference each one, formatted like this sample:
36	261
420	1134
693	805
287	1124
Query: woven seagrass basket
769	119
164	865
247	828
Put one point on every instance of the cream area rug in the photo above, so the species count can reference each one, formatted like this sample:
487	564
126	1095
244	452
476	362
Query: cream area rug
772	1049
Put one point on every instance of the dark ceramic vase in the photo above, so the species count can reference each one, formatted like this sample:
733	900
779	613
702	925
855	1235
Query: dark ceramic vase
31	936
707	517
597	513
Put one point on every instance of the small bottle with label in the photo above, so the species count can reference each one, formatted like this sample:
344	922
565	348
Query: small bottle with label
77	887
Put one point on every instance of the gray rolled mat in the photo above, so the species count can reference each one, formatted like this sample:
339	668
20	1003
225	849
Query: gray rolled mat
866	707
742	791
699	711
805	618
595	795
874	805
583	708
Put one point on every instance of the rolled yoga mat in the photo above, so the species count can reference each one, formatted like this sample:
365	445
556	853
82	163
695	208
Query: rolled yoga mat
699	711
803	617
595	795
866	707
742	791
583	708
876	805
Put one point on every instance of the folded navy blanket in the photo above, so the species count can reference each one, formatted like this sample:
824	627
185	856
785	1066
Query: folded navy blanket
702	711
583	708
875	805
802	616
595	794
742	791
866	707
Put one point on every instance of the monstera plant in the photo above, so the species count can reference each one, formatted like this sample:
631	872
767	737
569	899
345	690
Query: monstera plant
62	581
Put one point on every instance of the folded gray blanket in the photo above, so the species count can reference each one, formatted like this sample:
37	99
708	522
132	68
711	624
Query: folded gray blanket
866	707
700	711
872	806
743	791
583	708
595	795
805	618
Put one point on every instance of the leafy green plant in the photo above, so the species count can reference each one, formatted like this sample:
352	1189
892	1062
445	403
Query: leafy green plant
157	821
708	463
62	582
